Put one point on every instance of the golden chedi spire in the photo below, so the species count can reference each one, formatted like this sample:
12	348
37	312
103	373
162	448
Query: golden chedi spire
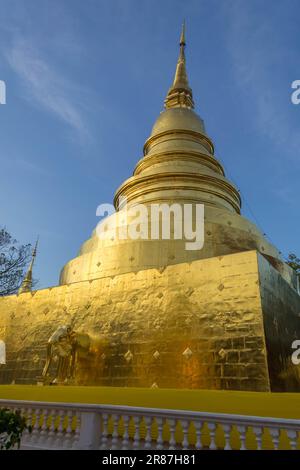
180	93
26	285
179	166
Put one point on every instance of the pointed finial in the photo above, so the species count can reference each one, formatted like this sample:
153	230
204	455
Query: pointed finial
180	93
34	251
26	285
182	36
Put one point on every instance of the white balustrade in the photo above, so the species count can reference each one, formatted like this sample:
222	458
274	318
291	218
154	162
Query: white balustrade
81	426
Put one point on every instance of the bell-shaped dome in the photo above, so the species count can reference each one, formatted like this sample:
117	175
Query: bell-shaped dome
178	119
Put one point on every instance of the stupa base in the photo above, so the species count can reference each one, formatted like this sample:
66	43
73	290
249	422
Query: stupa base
224	323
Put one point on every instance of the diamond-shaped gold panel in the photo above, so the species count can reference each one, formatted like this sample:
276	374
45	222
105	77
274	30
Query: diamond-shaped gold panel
187	353
156	355
128	356
154	385
222	353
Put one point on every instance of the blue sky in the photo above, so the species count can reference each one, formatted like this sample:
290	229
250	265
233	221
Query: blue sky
87	79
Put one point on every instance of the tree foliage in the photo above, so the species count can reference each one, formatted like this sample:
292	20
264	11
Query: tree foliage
294	262
12	425
14	260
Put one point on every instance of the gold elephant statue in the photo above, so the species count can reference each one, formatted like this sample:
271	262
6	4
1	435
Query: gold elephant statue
64	345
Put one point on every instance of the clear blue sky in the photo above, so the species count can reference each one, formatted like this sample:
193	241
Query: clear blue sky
86	79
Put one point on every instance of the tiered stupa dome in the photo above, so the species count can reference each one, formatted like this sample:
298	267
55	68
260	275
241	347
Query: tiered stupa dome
179	166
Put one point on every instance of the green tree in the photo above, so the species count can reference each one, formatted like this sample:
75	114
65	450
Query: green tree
12	425
14	260
294	262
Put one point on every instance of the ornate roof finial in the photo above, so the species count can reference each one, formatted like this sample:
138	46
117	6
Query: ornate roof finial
180	93
26	285
182	36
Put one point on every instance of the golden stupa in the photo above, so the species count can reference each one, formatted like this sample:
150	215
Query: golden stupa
149	312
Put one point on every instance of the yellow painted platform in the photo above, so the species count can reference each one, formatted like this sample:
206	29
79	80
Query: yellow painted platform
284	405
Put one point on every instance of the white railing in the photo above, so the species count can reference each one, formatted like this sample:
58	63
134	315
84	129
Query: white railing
81	426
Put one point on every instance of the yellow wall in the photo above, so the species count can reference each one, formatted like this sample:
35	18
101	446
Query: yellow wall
211	307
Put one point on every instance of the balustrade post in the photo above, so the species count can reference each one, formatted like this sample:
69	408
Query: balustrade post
115	434
242	433
90	430
159	440
148	437
136	437
43	430
68	432
212	428
258	431
172	440
125	439
227	429
199	428
292	436
275	435
185	429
